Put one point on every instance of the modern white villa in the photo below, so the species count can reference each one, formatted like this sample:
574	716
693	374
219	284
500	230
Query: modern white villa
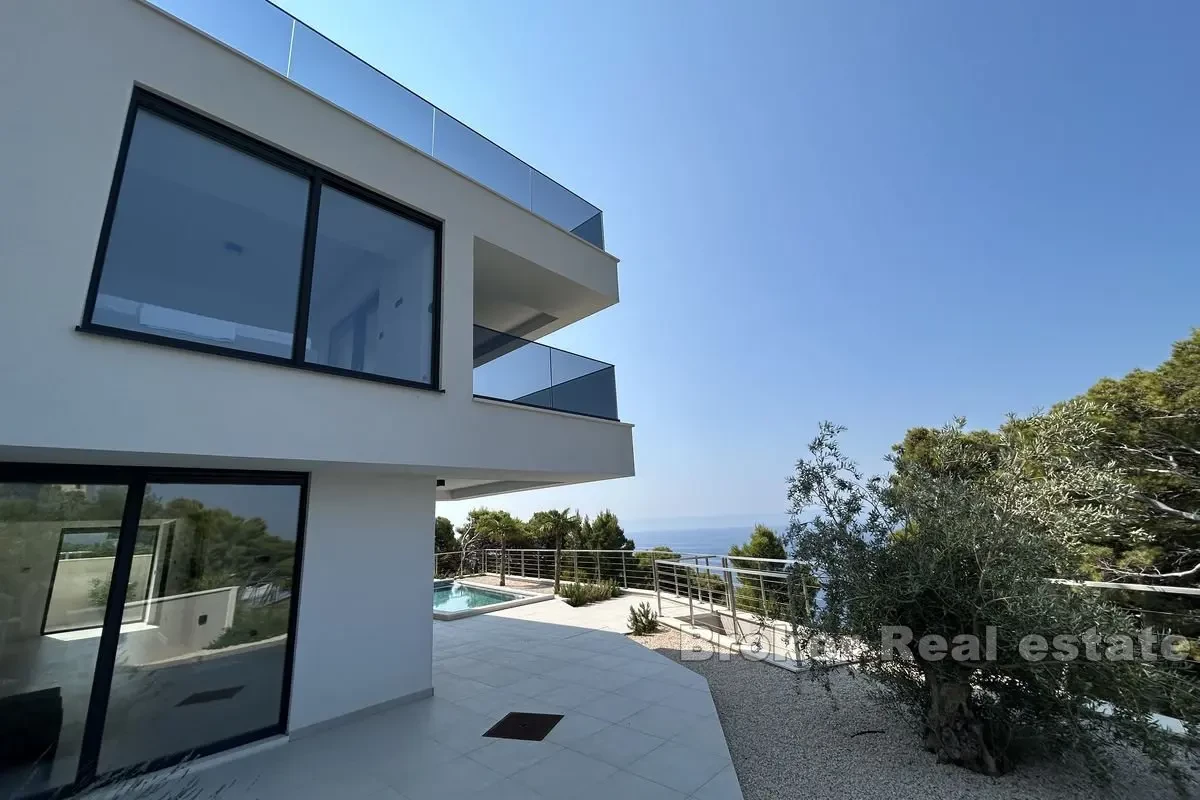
262	307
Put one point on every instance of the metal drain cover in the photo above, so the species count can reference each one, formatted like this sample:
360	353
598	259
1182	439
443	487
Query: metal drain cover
525	726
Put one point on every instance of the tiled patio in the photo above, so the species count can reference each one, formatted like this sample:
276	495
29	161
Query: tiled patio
635	724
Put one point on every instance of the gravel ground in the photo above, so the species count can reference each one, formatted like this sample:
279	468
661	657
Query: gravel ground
789	736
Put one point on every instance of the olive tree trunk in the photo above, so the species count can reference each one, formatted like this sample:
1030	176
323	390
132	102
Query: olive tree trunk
955	733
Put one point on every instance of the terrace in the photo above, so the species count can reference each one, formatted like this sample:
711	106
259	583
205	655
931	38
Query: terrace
633	724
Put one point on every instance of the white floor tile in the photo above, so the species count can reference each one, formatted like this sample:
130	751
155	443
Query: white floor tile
661	721
612	707
434	780
617	745
566	774
681	768
508	756
574	726
626	786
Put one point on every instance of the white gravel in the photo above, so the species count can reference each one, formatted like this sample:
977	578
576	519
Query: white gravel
790	737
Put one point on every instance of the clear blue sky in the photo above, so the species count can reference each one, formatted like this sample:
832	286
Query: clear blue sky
879	213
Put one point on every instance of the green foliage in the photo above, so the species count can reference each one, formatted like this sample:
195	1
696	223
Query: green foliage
254	624
489	527
646	558
99	588
603	533
1152	420
767	596
764	543
22	502
984	527
580	594
548	529
642	620
225	549
443	536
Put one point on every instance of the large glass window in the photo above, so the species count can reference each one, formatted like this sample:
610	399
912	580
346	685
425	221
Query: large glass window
211	243
372	290
206	243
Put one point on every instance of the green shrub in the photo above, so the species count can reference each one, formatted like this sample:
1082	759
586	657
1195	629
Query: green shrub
253	624
642	620
580	594
100	587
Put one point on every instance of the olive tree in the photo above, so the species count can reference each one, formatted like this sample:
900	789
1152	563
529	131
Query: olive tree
958	553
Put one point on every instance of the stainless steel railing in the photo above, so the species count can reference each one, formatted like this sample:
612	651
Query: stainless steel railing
629	569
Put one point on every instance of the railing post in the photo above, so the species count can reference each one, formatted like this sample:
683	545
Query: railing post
657	593
538	564
598	576
524	574
675	572
791	580
762	593
732	597
624	577
710	591
691	611
575	565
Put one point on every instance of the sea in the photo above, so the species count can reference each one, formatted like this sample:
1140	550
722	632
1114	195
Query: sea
715	541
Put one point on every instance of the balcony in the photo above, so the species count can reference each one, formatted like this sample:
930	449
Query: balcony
527	373
283	44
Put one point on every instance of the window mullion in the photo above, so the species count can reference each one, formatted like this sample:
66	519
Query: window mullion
307	259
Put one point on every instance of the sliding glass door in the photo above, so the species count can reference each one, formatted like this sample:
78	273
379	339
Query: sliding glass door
143	621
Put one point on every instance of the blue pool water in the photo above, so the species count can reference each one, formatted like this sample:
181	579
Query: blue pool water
457	597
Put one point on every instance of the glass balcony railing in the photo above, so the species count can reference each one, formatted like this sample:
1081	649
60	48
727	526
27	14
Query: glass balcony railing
528	373
279	41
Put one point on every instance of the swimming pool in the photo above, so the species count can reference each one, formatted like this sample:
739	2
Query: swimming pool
459	597
454	599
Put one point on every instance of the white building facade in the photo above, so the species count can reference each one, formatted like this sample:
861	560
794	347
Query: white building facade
263	307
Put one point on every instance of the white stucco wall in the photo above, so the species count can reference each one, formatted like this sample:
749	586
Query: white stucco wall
66	74
365	630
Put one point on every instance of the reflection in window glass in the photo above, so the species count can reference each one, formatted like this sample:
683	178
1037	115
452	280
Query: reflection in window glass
46	677
79	591
372	290
206	243
208	662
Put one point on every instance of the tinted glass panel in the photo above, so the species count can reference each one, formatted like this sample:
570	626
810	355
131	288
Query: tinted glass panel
257	28
511	368
207	664
566	209
372	290
338	76
473	155
206	243
46	675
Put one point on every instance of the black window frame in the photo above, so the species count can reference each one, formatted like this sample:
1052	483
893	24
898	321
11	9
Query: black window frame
135	480
143	99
